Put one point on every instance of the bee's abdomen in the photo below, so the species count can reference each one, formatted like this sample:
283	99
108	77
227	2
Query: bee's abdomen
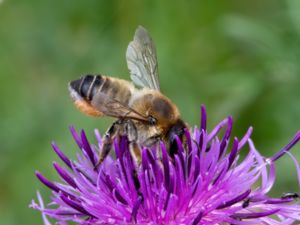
89	85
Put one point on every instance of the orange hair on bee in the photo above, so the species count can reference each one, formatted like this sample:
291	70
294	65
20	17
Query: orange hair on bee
86	108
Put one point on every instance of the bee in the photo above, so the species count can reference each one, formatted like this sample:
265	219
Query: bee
143	114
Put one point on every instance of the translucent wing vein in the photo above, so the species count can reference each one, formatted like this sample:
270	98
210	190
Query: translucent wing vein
142	60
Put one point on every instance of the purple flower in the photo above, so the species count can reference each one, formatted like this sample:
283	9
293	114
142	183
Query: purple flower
206	183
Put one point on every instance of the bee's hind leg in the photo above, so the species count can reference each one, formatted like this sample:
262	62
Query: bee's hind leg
111	132
132	136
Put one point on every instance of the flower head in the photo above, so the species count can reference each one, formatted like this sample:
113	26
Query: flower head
205	183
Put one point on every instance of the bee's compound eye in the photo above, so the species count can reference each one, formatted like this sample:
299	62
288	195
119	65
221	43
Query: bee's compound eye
152	120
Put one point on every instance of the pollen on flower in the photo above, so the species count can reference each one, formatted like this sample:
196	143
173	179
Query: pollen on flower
205	183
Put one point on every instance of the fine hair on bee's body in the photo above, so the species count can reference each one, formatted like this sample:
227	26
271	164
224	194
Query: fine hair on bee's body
86	88
144	114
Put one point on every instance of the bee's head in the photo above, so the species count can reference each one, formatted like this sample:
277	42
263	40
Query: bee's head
176	129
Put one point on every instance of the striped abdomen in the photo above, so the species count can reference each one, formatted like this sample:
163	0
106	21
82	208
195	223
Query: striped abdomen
87	87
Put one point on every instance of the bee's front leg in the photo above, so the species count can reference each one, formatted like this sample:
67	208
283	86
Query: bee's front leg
111	132
151	141
135	151
132	136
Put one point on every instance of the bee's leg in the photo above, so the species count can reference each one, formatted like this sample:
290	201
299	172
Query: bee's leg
111	132
152	140
135	152
132	136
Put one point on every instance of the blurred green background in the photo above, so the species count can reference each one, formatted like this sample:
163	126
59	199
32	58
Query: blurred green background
239	58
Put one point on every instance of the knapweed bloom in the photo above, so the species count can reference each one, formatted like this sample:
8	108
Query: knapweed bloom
207	182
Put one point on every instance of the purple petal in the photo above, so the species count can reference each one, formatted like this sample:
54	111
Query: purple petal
74	205
198	218
286	148
98	137
239	198
135	208
166	165
245	138
254	214
295	161
145	163
233	152
64	174
46	182
188	139
217	129
40	199
226	136
61	155
76	136
87	148
278	201
203	118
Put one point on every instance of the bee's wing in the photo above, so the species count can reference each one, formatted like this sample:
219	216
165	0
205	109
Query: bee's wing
142	61
114	108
